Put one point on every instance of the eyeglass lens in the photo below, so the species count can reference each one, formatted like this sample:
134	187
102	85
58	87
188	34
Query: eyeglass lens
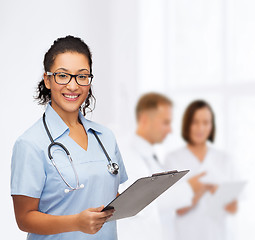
65	78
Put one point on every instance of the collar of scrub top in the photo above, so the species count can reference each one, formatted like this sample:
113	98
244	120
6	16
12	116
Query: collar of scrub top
58	127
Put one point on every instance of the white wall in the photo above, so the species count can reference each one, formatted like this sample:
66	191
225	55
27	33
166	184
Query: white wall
185	49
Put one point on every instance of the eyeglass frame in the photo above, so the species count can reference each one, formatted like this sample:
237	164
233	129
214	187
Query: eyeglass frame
71	75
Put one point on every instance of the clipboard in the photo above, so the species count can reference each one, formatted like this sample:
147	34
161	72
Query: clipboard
141	193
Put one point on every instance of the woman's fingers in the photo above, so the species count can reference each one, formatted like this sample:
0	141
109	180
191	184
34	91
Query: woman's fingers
106	214
92	219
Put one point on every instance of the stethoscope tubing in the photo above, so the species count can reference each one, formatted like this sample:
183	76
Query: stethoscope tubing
53	143
100	143
112	167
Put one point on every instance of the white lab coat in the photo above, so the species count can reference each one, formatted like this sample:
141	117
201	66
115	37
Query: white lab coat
201	223
150	223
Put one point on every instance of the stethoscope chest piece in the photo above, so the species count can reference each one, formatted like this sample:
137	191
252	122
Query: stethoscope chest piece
113	168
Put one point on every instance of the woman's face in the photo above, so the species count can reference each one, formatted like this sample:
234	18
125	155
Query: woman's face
68	98
201	126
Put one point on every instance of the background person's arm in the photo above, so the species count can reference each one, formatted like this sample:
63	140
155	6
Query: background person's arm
199	190
232	207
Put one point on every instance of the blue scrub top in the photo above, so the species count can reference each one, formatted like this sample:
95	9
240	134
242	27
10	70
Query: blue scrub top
34	175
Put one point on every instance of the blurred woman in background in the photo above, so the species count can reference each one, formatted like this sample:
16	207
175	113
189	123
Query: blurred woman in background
213	168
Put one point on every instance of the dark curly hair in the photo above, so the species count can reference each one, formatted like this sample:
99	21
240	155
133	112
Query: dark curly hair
62	45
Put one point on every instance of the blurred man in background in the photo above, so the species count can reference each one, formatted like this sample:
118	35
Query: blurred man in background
154	116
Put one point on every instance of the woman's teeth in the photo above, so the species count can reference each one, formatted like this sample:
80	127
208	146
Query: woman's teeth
71	96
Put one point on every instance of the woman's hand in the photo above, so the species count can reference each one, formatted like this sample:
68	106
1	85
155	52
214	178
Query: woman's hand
231	207
91	220
198	187
183	211
195	183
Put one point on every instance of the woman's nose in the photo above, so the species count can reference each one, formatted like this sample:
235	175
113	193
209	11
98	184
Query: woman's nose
72	85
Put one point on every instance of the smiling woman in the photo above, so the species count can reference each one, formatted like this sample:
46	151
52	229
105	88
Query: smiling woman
68	45
57	196
66	94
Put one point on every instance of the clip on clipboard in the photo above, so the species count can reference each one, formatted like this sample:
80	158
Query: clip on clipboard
141	193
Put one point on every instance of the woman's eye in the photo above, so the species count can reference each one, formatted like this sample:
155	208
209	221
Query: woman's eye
62	75
82	77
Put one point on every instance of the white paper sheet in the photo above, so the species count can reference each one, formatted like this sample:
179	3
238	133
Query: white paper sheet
226	193
212	178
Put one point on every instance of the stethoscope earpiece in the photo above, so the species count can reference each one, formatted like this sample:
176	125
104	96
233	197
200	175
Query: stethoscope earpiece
70	190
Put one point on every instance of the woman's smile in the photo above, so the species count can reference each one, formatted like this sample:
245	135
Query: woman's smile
71	97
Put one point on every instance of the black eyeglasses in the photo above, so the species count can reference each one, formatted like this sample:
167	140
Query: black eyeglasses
63	78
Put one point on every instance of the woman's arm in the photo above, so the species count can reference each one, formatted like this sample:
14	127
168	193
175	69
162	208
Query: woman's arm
199	190
29	219
195	200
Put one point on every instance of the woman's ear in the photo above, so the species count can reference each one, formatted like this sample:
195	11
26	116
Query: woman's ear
46	80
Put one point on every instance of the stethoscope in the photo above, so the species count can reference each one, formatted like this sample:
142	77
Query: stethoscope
113	168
